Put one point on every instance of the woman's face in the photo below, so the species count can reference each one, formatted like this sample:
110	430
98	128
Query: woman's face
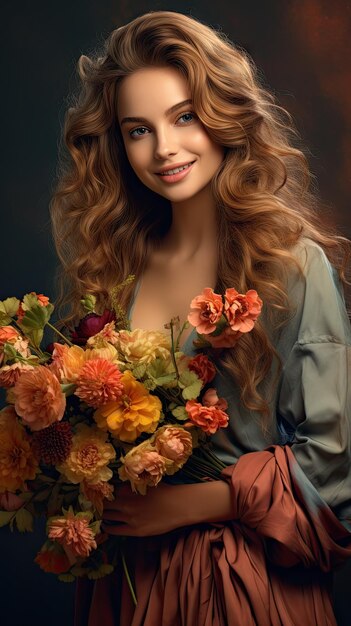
161	133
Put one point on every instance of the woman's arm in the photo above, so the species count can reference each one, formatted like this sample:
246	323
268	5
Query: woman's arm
167	507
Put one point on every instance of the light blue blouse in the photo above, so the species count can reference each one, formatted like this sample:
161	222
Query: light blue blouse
311	402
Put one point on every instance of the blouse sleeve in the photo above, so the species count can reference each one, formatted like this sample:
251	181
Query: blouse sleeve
314	397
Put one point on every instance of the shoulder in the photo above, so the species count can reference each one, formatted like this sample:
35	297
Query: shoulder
317	296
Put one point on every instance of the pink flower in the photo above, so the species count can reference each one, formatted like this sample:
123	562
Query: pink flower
242	310
210	398
203	368
205	311
143	466
174	443
39	399
208	418
9	374
73	533
90	325
99	382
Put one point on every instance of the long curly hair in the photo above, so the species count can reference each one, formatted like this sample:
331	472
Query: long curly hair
106	222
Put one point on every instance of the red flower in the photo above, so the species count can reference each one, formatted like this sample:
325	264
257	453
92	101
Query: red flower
203	368
52	560
90	325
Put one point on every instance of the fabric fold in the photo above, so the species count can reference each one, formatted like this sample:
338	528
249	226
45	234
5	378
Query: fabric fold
270	566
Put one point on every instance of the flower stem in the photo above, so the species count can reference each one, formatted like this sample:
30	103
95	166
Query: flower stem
59	334
125	569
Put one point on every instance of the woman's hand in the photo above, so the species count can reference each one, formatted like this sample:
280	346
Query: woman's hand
166	507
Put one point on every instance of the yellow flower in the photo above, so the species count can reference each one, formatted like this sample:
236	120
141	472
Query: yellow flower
89	456
142	346
18	463
135	412
103	350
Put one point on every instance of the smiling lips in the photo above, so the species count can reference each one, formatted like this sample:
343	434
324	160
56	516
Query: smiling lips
175	174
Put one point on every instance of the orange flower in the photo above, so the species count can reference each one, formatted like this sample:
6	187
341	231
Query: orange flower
18	462
73	533
203	368
9	374
135	412
8	334
205	311
208	418
67	362
175	444
96	493
99	382
39	399
89	456
52	559
143	466
242	310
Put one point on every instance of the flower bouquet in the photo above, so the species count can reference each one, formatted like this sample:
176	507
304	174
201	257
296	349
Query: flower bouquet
100	406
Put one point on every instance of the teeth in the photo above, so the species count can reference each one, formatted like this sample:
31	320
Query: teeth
176	170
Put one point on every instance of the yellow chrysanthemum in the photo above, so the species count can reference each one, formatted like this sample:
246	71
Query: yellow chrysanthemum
135	412
18	463
142	346
89	456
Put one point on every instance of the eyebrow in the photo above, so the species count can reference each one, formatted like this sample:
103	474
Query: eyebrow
174	108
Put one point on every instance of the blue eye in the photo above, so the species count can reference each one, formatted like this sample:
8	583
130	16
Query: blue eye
138	132
187	117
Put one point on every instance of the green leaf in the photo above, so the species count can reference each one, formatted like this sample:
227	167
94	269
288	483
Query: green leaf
66	578
9	306
180	413
88	303
187	378
68	388
24	520
167	378
103	570
78	571
193	391
36	317
41	496
5	320
149	384
139	371
5	517
9	351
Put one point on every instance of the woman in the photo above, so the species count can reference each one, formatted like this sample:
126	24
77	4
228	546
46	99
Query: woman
182	171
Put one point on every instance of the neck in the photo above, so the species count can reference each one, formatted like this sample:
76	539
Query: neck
194	227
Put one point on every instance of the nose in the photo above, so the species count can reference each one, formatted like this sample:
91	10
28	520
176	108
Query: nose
165	144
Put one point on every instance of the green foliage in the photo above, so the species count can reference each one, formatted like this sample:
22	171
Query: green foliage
24	520
88	303
8	310
66	578
180	413
102	571
6	517
191	385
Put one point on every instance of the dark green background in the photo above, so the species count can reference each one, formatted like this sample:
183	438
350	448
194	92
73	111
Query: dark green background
303	50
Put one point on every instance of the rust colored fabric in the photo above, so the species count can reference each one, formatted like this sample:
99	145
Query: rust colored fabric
270	566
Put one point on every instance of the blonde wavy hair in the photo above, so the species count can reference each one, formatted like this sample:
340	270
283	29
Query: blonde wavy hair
106	222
